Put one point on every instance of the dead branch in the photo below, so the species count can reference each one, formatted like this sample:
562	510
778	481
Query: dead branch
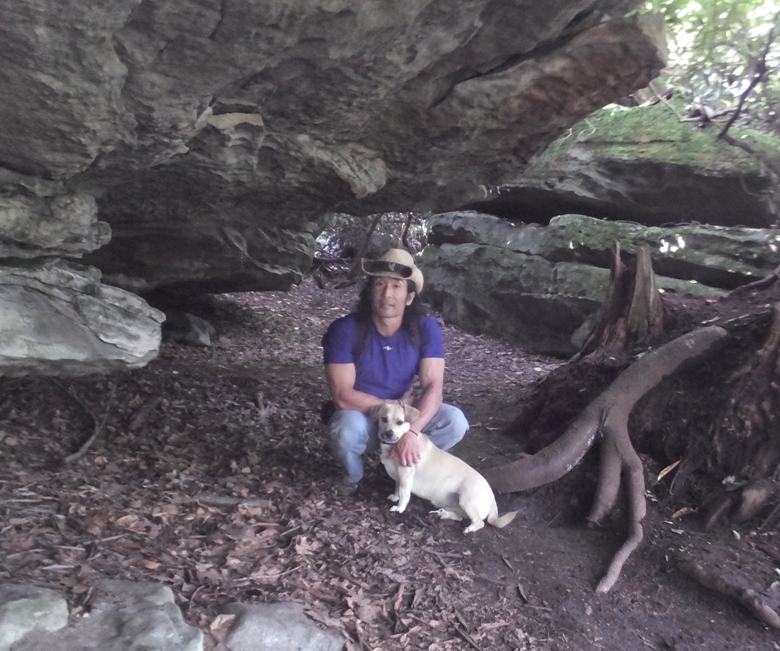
405	234
143	412
354	271
761	283
97	425
759	75
750	599
208	499
606	420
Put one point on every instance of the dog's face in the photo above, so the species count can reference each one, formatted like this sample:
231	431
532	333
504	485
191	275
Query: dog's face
393	421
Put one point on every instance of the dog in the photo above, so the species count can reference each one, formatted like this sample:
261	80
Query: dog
447	482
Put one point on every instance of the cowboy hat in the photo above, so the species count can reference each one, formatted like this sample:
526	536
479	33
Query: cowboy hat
396	263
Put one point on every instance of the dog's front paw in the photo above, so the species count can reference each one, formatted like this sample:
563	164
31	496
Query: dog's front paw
398	509
393	497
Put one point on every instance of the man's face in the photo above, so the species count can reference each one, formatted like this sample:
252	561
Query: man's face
389	297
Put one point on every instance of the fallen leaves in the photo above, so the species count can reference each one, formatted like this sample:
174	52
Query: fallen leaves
212	475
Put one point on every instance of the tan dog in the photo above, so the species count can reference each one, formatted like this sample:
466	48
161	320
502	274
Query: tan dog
449	483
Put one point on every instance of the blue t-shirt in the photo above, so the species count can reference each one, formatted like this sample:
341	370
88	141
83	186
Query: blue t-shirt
387	366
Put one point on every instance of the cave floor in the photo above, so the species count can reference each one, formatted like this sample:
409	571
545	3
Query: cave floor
240	420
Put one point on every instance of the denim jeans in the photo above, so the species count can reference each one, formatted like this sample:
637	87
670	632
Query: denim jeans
353	434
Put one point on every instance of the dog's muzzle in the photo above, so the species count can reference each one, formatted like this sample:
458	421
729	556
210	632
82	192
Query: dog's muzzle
386	438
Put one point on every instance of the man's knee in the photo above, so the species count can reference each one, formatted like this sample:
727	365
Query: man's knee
349	431
458	423
448	427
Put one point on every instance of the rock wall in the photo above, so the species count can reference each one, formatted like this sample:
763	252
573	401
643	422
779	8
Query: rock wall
183	147
214	136
56	316
644	165
542	286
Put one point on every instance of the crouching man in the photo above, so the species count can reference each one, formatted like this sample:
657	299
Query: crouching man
372	357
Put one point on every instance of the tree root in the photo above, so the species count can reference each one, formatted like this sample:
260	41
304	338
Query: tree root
606	420
741	505
750	599
97	425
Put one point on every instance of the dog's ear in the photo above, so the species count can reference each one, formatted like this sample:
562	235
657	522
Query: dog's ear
373	412
410	413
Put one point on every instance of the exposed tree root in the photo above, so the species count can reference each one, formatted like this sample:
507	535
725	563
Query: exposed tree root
606	420
632	315
741	505
745	440
750	599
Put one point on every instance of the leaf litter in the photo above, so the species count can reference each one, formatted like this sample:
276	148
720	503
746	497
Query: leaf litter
210	473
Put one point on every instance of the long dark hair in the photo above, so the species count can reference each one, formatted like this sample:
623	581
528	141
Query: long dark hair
413	314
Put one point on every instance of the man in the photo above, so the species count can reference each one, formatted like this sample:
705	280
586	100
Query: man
372	357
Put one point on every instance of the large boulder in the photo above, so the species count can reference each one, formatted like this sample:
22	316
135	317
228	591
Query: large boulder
214	136
542	286
645	165
57	318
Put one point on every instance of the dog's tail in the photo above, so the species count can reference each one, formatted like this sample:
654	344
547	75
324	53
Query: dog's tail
500	521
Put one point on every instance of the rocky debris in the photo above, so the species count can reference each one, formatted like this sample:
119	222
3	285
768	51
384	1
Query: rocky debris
65	225
214	138
644	165
542	286
57	318
25	609
124	615
270	627
186	328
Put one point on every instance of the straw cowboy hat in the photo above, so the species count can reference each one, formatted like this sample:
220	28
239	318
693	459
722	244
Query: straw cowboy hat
396	263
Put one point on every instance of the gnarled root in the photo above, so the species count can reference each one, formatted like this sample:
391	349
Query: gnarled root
607	418
750	599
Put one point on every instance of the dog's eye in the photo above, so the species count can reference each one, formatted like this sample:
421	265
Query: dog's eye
384	419
399	422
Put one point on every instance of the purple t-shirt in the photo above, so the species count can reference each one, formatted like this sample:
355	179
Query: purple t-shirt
387	366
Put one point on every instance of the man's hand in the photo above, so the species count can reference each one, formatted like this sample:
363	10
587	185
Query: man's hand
407	450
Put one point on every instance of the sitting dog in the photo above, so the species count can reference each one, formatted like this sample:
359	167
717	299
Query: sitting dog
449	483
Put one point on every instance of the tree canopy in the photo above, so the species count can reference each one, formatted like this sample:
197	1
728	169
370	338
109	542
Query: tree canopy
726	54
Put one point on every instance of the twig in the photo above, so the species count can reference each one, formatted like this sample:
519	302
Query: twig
759	76
506	560
143	413
437	556
97	426
226	500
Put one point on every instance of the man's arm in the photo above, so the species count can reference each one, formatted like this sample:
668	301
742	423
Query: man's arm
341	380
431	373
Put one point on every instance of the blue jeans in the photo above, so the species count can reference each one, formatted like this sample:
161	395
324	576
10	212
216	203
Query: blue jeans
352	434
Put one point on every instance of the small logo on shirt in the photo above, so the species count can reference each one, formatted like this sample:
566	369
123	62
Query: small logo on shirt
387	348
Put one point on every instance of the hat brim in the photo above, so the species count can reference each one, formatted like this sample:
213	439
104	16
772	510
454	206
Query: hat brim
393	270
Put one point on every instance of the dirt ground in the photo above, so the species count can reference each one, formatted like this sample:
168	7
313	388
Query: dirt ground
175	441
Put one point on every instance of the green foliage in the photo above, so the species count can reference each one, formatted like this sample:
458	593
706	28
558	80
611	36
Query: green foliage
716	49
345	235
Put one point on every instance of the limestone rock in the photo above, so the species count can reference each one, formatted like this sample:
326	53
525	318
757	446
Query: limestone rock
541	287
274	626
213	137
65	225
56	318
717	256
126	615
25	609
643	165
185	328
